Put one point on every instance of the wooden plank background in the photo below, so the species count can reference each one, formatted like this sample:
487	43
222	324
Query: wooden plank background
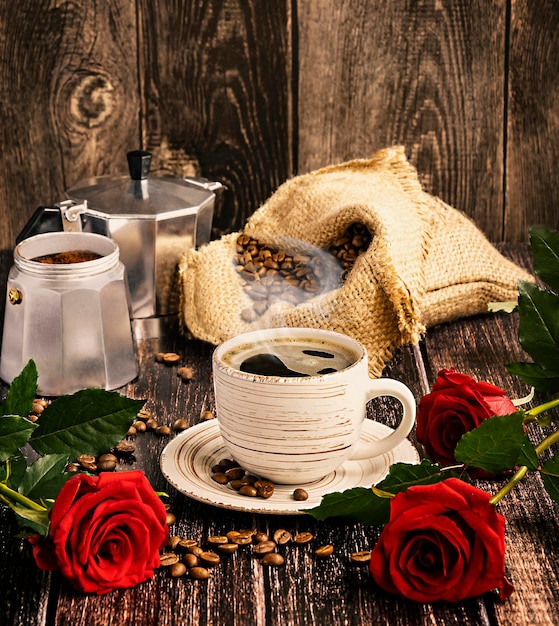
250	92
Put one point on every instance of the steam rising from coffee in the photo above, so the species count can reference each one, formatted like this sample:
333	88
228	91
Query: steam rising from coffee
291	271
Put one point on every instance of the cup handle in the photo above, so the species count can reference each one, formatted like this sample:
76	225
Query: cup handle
388	387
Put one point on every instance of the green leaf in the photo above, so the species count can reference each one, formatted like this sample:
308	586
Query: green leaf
365	506
15	432
538	330
30	519
12	471
90	421
495	445
21	392
535	376
44	478
550	475
359	504
544	244
528	457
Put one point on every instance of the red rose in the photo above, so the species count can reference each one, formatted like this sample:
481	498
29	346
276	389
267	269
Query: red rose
456	405
105	532
442	542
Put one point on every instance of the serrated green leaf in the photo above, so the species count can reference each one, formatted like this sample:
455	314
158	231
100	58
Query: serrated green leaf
358	504
90	421
21	393
535	376
544	244
495	445
15	432
44	478
550	475
538	330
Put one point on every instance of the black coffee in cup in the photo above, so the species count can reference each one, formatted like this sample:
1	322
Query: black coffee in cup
288	357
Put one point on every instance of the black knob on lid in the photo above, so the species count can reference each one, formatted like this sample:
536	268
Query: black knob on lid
138	164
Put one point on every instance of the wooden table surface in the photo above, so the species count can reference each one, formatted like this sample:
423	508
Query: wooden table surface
305	590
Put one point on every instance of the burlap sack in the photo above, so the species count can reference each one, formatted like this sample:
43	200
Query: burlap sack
427	263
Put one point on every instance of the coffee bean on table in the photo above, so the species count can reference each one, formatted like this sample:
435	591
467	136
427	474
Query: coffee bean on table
199	573
324	551
190	560
282	536
304	537
209	559
177	569
300	495
264	547
273	559
360	558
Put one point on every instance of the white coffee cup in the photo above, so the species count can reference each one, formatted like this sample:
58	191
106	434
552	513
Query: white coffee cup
299	426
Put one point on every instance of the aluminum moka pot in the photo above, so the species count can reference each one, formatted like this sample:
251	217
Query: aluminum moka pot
154	220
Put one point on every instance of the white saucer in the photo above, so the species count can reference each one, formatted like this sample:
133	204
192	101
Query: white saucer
187	460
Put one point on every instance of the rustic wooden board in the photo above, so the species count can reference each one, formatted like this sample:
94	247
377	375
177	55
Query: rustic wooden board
533	118
69	91
428	75
217	96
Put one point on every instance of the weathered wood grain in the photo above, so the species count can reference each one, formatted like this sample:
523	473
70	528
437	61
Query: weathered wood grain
428	75
69	92
533	119
217	86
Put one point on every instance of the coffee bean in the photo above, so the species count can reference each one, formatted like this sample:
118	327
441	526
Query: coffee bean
228	548
207	415
106	463
186	373
304	537
124	449
237	484
273	559
89	467
187	544
196	550
173	542
198	573
281	536
265	488
220	478
143	414
360	558
324	551
210	559
170	519
177	570
248	490
264	547
86	458
241	539
180	424
190	560
151	424
300	495
140	427
260	537
162	431
217	539
228	463
235	473
168	558
131	431
170	358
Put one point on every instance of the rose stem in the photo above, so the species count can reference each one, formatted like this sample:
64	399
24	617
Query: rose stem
9	494
520	473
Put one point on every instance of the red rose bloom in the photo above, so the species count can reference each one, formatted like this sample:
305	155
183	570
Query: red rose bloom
442	542
456	405
105	532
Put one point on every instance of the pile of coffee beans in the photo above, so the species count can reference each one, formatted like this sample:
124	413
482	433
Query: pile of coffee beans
229	472
186	557
272	275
